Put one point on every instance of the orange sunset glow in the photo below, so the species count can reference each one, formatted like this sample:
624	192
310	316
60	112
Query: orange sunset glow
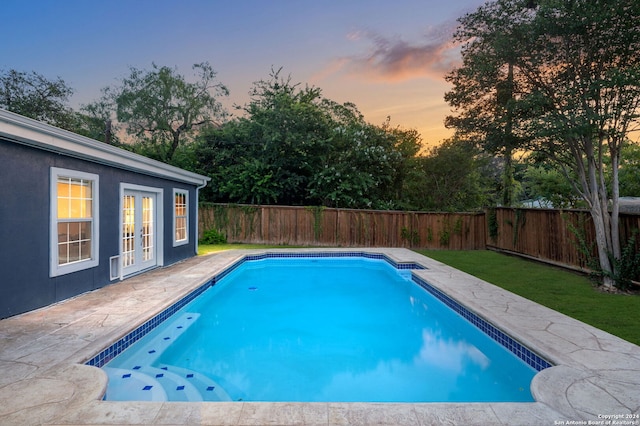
389	61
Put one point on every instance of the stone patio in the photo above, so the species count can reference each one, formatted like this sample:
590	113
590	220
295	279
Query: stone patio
43	379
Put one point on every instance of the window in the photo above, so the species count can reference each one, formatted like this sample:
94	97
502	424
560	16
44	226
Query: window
74	221
180	217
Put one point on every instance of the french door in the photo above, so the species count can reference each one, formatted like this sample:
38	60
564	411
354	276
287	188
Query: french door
139	231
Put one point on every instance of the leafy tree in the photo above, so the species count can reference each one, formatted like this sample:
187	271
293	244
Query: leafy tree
455	178
487	87
293	146
577	64
629	174
162	109
268	154
550	187
341	177
96	121
288	124
364	165
404	163
216	151
35	96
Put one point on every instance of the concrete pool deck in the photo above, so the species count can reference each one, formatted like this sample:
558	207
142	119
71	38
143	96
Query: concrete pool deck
596	377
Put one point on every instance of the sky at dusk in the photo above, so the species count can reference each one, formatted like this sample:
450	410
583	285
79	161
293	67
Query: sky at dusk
387	57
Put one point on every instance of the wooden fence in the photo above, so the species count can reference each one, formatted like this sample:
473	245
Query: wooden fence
546	235
311	226
554	236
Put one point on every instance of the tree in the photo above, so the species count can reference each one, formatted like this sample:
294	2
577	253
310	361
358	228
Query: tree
486	87
35	96
454	178
630	171
162	109
364	165
268	155
578	64
404	164
549	187
96	121
293	146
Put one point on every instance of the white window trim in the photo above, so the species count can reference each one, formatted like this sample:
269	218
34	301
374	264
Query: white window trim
55	269
177	243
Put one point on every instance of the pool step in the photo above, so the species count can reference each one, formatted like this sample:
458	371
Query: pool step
209	389
132	385
167	383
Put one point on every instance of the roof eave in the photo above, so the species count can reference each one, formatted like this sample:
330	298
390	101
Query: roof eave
34	133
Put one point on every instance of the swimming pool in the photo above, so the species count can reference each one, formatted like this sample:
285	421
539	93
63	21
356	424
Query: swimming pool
377	368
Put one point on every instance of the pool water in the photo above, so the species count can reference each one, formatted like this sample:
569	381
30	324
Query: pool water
318	329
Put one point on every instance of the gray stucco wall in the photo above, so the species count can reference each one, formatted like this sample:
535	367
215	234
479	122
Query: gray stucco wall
24	226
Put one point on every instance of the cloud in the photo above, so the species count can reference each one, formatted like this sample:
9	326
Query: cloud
395	59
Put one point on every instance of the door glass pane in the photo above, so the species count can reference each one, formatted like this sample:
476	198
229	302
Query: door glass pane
147	228
128	230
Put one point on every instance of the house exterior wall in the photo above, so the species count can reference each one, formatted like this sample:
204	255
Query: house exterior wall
25	282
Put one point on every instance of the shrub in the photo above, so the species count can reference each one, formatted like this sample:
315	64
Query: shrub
213	236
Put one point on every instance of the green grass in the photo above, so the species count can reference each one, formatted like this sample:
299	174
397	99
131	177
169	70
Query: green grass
564	291
214	248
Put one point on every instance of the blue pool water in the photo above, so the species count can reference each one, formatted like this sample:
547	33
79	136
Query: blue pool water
318	329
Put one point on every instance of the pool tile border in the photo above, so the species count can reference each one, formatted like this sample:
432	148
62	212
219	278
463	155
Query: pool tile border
133	336
521	351
367	255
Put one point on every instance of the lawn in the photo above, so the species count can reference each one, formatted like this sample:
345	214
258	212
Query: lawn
213	248
564	291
